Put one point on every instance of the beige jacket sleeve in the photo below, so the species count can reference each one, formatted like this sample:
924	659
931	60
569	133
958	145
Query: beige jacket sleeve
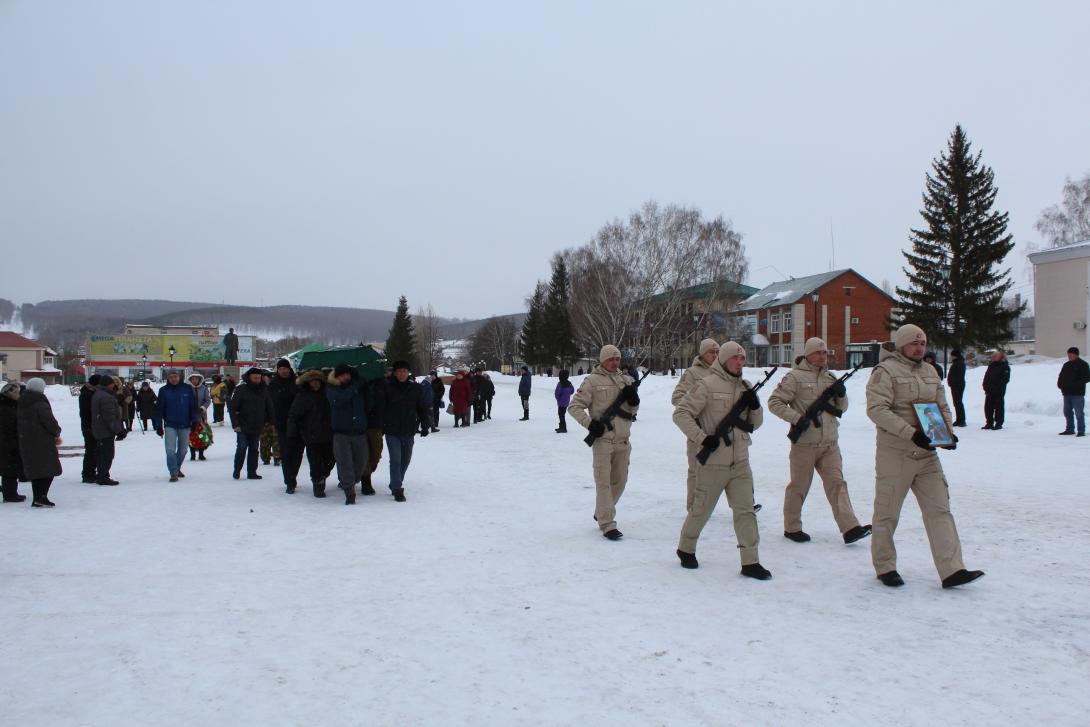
687	413
880	405
683	385
779	403
579	407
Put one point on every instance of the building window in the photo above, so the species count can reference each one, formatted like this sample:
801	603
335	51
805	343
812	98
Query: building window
751	324
855	321
848	290
774	326
773	354
787	322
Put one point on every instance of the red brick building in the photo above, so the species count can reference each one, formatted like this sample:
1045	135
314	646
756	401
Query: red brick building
842	307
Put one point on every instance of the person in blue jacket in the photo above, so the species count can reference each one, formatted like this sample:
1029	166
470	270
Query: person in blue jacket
348	414
176	413
524	393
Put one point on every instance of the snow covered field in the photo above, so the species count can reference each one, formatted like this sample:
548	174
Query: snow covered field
489	598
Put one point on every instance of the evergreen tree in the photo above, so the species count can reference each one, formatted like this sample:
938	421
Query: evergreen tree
559	341
401	341
532	343
955	287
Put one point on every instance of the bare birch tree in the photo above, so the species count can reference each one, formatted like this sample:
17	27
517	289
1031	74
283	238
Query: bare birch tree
495	342
1070	223
428	349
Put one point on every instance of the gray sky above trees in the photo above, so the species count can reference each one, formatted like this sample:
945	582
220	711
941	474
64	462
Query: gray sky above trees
345	153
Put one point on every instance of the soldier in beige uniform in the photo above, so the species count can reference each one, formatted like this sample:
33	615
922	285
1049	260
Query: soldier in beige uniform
905	459
707	355
818	448
698	415
611	449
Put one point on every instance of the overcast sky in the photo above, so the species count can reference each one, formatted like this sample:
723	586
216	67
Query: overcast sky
343	153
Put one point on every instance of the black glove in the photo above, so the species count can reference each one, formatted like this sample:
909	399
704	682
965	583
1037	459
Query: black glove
159	431
921	440
838	390
631	396
596	428
751	400
121	435
710	443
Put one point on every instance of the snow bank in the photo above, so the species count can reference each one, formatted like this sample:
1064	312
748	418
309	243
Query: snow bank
489	598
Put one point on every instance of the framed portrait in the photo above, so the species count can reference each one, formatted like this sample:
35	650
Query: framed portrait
933	425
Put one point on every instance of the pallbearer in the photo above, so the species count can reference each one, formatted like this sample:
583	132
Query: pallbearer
811	400
605	404
906	460
719	396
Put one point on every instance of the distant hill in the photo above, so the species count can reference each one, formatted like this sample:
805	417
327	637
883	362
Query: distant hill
64	323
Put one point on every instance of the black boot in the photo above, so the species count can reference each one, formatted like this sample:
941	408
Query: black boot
892	579
688	560
613	534
399	495
200	454
756	570
961	578
798	536
349	495
319	489
11	490
290	488
857	533
192	454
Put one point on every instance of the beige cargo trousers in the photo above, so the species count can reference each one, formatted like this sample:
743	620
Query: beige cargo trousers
711	482
610	462
805	459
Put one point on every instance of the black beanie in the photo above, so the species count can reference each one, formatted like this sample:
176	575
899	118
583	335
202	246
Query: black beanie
283	364
342	368
93	381
1074	350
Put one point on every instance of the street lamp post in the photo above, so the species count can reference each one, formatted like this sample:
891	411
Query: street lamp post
144	369
171	351
814	298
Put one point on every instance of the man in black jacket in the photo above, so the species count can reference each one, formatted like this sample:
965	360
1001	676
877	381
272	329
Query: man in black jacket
995	389
90	444
310	421
437	391
403	413
1074	376
250	408
956	381
282	391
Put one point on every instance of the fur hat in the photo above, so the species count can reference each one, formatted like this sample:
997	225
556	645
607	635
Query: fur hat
36	384
401	364
814	345
10	389
908	333
608	351
707	345
341	369
728	350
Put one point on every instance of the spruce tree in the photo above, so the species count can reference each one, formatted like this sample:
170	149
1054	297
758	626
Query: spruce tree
955	286
532	343
401	341
556	318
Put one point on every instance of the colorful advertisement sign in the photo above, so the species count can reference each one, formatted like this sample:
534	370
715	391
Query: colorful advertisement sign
190	349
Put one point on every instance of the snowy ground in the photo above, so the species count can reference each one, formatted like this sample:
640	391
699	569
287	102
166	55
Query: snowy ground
489	598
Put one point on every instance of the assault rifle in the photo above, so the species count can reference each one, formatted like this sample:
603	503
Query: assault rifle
812	415
614	410
733	420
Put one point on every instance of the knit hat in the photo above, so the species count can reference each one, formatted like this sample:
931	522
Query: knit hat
94	379
814	345
36	384
728	350
1074	350
707	345
341	369
283	364
10	389
608	351
907	334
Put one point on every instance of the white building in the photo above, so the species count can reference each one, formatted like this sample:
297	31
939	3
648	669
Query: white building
1061	298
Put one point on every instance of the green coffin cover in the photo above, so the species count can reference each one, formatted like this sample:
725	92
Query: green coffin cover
369	363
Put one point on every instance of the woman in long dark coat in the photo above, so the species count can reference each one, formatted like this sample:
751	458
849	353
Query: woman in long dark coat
11	464
39	437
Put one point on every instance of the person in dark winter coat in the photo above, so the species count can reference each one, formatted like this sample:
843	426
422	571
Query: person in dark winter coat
438	390
107	427
250	409
1072	381
175	415
426	395
11	462
374	432
310	421
525	385
563	393
929	357
348	416
995	389
488	392
147	403
956	381
39	437
90	444
402	412
282	390
461	395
